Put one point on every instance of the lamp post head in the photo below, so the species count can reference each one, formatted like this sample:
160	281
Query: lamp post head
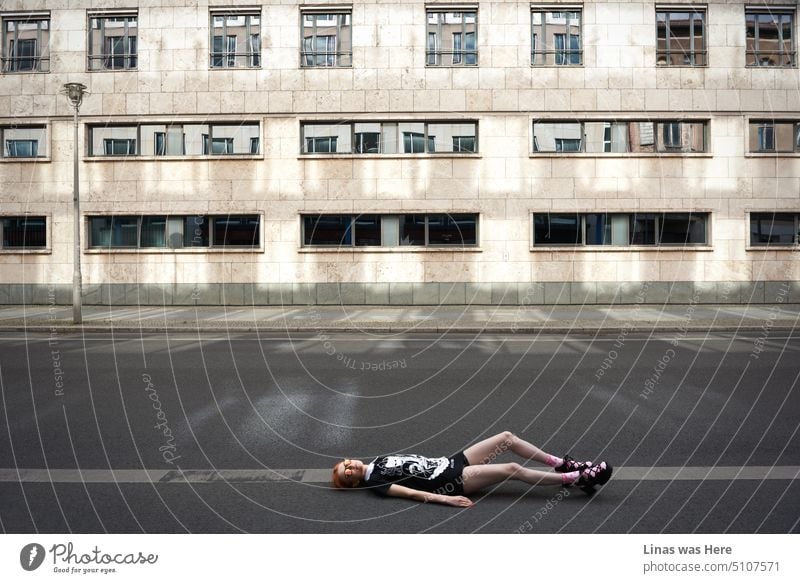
75	93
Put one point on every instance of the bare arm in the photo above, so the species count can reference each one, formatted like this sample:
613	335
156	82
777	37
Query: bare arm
420	496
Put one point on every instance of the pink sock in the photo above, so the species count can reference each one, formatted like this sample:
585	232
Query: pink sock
553	461
570	477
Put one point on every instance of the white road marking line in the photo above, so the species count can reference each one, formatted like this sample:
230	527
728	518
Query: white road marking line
319	476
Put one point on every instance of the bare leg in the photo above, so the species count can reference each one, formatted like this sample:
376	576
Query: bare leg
488	450
480	476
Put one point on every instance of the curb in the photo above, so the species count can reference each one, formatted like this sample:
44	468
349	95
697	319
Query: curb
395	329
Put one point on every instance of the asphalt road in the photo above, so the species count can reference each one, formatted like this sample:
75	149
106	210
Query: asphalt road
234	433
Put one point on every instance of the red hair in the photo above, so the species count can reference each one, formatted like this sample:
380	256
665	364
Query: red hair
337	481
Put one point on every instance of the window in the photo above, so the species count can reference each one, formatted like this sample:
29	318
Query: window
24	142
327	39
769	38
370	230
235	40
119	147
680	38
20	233
446	229
556	229
222	139
112	41
770	136
620	229
368	142
26	43
599	137
321	145
774	229
174	232
556	37
389	138
452	37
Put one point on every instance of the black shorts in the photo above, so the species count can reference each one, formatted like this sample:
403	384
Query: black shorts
453	481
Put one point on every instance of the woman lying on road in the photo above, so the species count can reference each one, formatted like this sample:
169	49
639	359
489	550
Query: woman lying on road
447	480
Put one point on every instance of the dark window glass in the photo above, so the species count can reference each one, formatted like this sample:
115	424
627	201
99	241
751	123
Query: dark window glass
412	230
236	231
325	145
452	229
598	229
414	143
556	229
643	229
113	231
22	148
368	230
682	229
327	230
119	147
463	143
195	231
368	142
24	232
154	232
773	229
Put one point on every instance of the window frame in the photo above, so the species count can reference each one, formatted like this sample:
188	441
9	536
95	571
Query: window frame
98	54
656	125
252	57
354	137
25	249
657	245
437	57
692	10
567	51
314	54
209	220
771	124
783	10
44	146
382	247
756	246
41	62
91	155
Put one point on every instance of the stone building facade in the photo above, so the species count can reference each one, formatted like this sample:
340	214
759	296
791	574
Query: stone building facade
401	152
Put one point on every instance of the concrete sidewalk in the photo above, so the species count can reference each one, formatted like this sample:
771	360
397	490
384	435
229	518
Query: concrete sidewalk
394	319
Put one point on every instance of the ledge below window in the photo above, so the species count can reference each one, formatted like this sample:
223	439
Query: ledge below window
446	155
26	251
619	248
12	159
788	248
227	158
772	155
180	251
616	155
376	249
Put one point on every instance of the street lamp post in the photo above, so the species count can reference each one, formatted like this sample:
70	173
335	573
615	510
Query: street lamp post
75	93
